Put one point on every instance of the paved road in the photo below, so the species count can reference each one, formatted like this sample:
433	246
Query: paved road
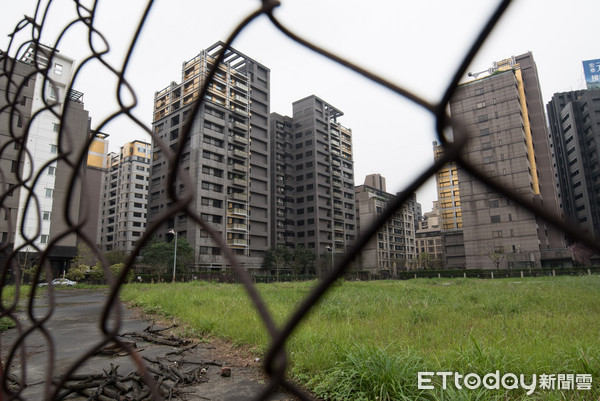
74	328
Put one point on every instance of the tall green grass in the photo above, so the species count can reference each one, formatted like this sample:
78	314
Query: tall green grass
9	293
364	340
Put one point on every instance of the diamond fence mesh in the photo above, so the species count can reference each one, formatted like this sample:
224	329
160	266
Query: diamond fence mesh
72	154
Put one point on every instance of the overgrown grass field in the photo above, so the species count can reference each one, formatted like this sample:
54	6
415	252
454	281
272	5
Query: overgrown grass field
368	340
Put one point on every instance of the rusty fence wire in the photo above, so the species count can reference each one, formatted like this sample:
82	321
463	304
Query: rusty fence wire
276	359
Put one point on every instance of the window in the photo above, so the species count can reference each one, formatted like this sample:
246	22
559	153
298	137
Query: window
482	118
46	216
52	92
480	105
494	203
211	218
211	202
212	187
51	170
495	219
49	192
44	239
58	68
53	149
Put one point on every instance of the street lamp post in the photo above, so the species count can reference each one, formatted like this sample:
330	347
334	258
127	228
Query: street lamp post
175	254
332	260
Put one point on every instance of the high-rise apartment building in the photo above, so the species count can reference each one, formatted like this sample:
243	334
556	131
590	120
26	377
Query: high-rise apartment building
450	213
41	115
505	114
226	156
394	247
312	178
574	119
125	197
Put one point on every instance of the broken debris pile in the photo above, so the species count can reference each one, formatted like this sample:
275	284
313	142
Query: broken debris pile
171	377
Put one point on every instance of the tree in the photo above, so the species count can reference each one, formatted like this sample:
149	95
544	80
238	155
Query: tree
495	252
277	259
582	255
96	272
115	257
27	264
77	272
85	256
304	261
426	260
116	271
158	255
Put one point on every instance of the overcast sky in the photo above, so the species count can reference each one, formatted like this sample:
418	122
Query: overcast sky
415	44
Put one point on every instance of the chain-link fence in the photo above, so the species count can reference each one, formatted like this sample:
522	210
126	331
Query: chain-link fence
17	131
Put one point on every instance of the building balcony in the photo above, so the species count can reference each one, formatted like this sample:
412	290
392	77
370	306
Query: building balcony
216	91
240	139
240	182
239	125
239	153
239	111
237	242
239	167
241	86
240	99
239	196
237	211
237	226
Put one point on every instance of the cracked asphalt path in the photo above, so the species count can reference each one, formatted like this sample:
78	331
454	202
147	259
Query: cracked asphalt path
74	329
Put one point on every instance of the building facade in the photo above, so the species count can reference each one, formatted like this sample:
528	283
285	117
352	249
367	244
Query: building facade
574	120
226	156
428	238
42	115
282	181
505	114
124	198
312	178
93	190
394	248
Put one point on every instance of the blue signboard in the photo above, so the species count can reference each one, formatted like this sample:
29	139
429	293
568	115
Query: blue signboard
591	69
